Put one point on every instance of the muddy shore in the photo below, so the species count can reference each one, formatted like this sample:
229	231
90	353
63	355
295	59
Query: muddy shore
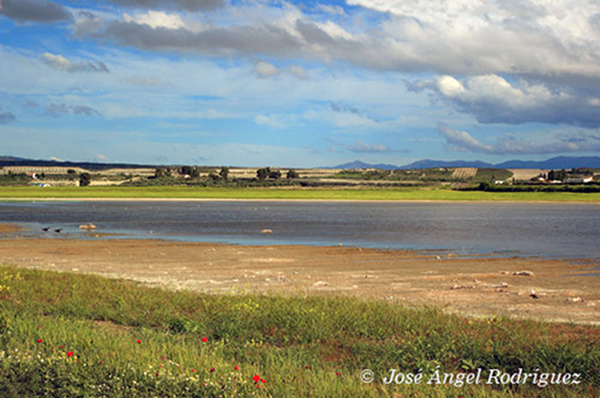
521	287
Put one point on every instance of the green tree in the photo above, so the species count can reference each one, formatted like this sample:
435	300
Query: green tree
85	179
162	172
292	174
276	174
263	173
224	173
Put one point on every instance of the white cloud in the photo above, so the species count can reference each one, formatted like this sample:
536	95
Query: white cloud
265	69
156	19
462	140
493	99
61	63
569	141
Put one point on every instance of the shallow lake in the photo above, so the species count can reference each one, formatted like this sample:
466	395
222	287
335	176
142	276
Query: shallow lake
555	230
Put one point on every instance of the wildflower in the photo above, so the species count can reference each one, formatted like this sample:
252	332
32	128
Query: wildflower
256	378
338	374
139	341
62	347
236	367
263	381
212	370
193	370
100	362
40	341
307	367
204	339
69	354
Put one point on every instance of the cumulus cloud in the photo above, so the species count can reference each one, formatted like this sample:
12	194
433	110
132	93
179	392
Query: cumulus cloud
457	37
156	19
6	117
34	11
56	110
463	141
496	36
61	63
510	144
492	99
265	69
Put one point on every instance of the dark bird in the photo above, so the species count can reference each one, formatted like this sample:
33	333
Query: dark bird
58	231
46	229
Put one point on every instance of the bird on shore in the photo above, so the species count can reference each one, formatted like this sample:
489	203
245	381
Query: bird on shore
46	229
58	231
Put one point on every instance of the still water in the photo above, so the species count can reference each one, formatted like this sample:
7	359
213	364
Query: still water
564	230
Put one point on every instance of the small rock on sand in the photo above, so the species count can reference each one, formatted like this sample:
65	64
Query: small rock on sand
575	300
518	273
456	287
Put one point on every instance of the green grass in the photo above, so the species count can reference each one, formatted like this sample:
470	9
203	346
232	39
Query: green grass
393	194
74	335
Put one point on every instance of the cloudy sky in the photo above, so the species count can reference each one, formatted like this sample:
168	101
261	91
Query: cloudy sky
299	83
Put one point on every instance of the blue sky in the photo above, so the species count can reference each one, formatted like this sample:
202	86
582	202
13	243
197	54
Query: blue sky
299	83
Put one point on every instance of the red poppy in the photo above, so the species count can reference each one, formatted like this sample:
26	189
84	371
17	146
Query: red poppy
204	339
139	341
100	362
40	341
236	367
256	378
62	346
338	374
212	370
193	370
69	353
263	381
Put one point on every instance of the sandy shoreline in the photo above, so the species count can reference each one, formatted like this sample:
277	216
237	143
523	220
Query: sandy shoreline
475	285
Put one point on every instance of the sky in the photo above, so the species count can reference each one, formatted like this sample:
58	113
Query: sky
300	83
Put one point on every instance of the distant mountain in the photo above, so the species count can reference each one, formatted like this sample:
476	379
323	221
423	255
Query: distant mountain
13	161
561	162
9	159
433	164
357	164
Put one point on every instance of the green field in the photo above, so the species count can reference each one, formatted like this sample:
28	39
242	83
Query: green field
392	194
67	335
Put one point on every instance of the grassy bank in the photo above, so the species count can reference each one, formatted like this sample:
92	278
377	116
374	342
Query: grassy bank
392	194
73	335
